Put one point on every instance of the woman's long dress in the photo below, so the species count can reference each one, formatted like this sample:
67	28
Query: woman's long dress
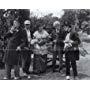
11	56
40	53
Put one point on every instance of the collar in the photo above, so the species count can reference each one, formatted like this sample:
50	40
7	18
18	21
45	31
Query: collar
27	29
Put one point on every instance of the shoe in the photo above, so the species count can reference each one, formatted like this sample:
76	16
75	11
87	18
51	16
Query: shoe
76	78
67	77
16	78
29	77
5	78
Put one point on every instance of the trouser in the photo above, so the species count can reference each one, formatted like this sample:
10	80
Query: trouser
71	63
26	61
8	70
58	53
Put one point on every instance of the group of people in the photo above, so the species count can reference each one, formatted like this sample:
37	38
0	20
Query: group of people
21	45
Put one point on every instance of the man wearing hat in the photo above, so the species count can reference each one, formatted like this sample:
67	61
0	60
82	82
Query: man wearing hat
58	37
26	53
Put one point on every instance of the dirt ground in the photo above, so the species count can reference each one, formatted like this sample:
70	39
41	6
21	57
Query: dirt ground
83	66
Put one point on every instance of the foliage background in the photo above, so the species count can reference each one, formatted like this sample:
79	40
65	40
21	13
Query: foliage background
76	17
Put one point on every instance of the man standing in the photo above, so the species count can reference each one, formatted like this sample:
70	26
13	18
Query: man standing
26	52
72	52
58	37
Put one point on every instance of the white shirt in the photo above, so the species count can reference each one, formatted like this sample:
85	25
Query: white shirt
41	49
44	34
67	40
28	35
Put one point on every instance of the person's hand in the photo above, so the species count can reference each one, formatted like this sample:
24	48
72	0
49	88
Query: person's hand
55	41
18	49
37	46
33	41
71	41
69	44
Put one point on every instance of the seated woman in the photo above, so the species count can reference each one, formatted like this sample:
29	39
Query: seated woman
40	50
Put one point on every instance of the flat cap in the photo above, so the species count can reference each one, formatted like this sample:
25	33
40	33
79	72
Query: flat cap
26	22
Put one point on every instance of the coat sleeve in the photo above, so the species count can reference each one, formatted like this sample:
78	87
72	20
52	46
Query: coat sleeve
8	35
23	39
52	36
76	39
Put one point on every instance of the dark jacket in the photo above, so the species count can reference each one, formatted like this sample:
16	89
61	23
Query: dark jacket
15	39
25	46
59	37
25	40
73	52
